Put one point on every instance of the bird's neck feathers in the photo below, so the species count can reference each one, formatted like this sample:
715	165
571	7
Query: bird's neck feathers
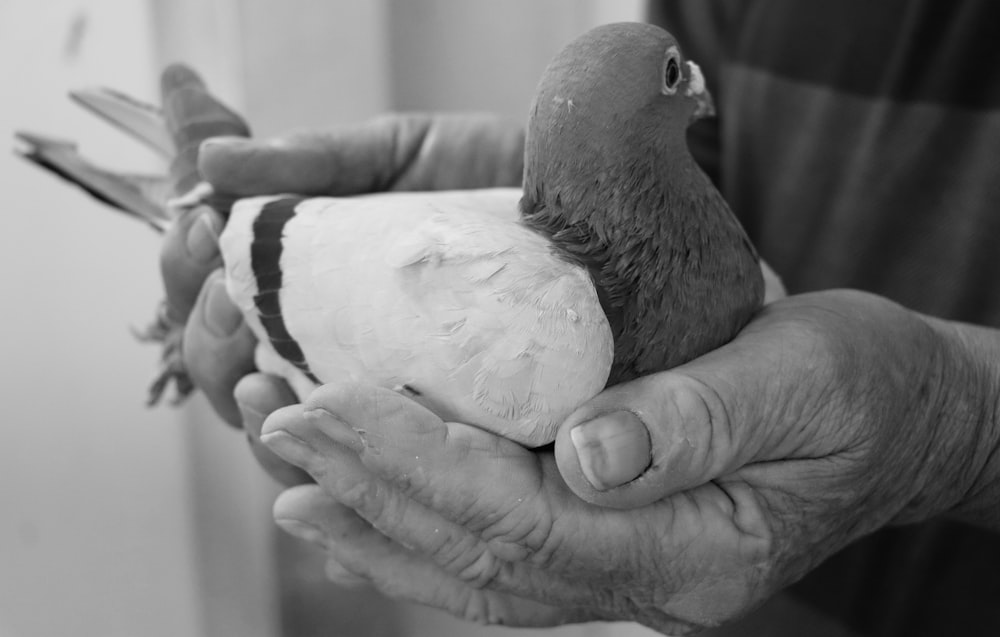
655	235
614	208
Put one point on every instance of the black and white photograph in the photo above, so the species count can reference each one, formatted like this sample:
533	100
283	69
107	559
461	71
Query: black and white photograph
490	318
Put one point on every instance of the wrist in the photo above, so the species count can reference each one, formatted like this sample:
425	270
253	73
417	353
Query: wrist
963	459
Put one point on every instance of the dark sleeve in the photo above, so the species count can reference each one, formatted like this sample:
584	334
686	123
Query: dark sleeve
702	28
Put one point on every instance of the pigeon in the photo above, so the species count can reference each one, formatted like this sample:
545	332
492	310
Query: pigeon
502	308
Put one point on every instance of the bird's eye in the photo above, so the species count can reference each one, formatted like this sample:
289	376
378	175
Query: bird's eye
672	71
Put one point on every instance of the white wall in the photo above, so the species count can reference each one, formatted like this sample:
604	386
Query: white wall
301	63
95	520
117	520
484	54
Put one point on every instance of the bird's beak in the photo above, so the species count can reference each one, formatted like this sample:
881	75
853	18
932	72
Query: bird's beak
699	91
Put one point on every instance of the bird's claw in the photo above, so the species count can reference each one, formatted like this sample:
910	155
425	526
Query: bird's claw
170	335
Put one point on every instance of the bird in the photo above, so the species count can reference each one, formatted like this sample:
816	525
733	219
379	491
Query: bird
503	308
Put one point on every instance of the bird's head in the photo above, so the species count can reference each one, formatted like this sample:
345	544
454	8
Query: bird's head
609	179
620	96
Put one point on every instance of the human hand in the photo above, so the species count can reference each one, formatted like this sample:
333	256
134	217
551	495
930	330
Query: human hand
396	152
829	416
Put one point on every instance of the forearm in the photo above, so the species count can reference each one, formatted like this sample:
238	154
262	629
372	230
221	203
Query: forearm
963	458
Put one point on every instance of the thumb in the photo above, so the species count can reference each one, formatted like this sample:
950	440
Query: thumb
646	439
345	160
401	152
192	114
301	163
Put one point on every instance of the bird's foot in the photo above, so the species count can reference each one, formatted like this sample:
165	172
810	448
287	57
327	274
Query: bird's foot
170	335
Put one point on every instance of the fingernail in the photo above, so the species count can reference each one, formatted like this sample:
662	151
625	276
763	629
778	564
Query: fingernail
224	143
613	449
338	574
203	236
336	429
302	530
289	447
222	317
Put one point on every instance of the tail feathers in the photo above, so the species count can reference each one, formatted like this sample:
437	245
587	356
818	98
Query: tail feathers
141	196
192	115
139	120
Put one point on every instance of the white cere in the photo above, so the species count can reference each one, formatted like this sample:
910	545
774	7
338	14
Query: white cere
696	85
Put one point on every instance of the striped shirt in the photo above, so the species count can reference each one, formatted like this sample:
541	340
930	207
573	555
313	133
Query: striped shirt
859	142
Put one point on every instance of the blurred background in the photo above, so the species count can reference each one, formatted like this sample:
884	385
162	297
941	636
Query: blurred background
117	520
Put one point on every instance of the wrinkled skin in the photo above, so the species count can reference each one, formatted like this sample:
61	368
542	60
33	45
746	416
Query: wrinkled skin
815	426
831	415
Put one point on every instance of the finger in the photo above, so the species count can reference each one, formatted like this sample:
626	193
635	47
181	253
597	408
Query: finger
218	348
257	395
405	443
491	553
338	574
192	114
189	254
333	163
774	288
308	513
300	437
398	152
641	441
532	548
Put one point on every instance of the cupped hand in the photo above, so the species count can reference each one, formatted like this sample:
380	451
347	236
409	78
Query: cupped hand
393	152
680	500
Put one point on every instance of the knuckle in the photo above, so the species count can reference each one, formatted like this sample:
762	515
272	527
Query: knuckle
476	566
547	551
697	424
525	530
372	500
338	573
464	556
479	607
697	402
547	540
331	396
